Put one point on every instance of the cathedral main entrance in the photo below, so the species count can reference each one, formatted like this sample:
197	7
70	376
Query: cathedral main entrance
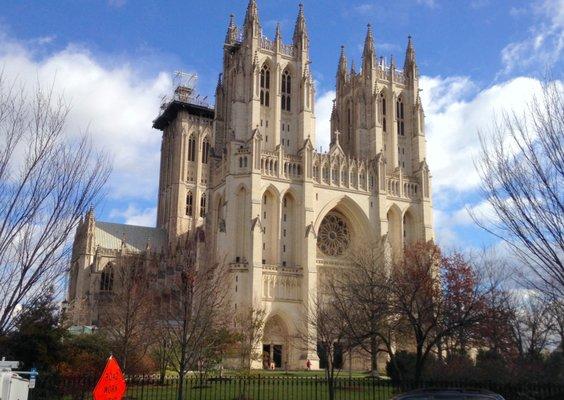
272	356
275	344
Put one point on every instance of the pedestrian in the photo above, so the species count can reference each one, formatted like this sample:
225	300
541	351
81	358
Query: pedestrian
308	365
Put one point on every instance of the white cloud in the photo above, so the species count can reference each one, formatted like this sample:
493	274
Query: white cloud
136	216
455	111
428	3
117	3
323	107
545	43
115	104
455	115
364	8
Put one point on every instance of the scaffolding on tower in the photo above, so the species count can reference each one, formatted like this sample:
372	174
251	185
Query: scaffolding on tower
184	84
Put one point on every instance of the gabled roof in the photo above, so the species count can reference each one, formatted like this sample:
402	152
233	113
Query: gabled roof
110	236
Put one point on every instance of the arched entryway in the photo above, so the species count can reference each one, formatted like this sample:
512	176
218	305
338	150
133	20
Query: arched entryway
275	344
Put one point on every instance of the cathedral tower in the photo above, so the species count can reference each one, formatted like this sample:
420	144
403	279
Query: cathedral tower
266	85
187	125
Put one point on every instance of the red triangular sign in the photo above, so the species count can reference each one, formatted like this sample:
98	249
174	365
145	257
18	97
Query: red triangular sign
111	385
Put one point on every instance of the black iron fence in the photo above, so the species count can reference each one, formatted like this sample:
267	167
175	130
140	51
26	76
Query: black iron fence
257	387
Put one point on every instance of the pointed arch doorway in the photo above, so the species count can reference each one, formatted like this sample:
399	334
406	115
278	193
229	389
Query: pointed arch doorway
275	344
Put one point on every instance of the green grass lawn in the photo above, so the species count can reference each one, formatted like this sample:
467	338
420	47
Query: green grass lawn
298	374
267	388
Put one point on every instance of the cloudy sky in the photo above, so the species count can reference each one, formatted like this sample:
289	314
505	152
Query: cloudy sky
113	61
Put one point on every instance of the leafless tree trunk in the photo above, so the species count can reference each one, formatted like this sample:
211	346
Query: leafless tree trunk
557	311
522	171
196	308
249	330
332	332
128	314
532	325
360	294
46	184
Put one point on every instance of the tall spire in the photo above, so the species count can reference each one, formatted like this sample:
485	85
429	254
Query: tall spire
300	29
231	35
409	54
368	54
342	70
252	18
277	35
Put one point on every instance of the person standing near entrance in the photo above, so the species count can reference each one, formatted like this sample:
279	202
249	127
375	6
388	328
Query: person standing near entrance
308	365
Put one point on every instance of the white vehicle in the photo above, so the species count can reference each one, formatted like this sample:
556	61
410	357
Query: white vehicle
12	385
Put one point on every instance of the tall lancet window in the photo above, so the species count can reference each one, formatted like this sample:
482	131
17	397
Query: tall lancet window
265	86
107	279
205	150
383	105
192	148
203	205
399	116
189	203
286	90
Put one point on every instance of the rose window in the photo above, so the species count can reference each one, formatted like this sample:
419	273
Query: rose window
334	236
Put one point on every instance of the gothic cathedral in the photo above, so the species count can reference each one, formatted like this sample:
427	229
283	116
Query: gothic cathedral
247	173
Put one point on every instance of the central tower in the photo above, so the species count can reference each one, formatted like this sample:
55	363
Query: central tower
265	84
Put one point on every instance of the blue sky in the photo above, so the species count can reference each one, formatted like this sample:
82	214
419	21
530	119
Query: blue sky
113	61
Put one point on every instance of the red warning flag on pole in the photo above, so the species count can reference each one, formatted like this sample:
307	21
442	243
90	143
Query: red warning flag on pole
111	385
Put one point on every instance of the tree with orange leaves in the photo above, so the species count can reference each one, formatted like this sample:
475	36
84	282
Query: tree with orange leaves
439	299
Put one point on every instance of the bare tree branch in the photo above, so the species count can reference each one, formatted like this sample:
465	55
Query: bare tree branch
522	171
46	184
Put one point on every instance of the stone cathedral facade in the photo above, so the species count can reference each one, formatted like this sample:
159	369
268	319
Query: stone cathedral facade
247	173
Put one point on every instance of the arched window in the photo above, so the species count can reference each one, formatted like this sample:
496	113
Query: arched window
316	172
203	205
335	175
383	105
349	122
107	278
286	90
192	148
399	116
325	173
189	203
265	86
205	150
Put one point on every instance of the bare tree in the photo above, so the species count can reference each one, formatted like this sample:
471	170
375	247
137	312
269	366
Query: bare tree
46	184
331	333
522	171
360	294
249	329
557	311
196	306
127	316
160	351
532	325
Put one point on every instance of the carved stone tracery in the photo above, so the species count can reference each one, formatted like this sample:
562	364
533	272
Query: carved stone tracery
334	236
